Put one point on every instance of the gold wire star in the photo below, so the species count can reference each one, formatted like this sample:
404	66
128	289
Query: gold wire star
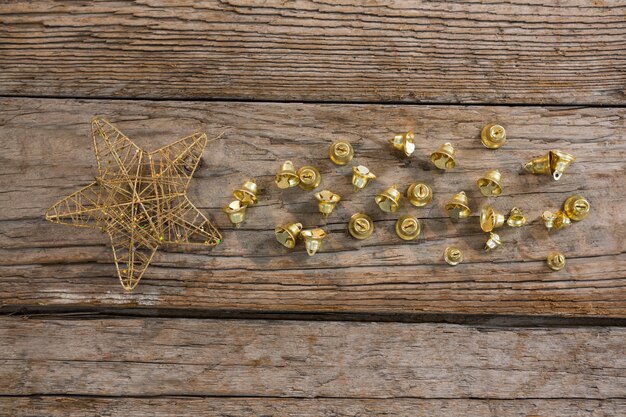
139	199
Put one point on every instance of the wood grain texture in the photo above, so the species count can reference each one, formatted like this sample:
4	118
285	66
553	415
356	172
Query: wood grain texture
47	154
59	406
189	357
411	51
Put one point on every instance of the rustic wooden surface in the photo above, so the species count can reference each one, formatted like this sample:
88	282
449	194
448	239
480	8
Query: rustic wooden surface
85	406
569	371
45	264
527	342
414	51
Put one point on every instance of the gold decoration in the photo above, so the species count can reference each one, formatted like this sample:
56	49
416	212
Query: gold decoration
139	199
493	136
408	227
458	206
310	178
453	256
554	163
361	176
313	240
327	200
443	158
490	219
419	194
555	221
576	207
236	212
404	143
556	261
340	152
490	185
247	192
287	176
388	200
288	234
493	242
360	226
516	218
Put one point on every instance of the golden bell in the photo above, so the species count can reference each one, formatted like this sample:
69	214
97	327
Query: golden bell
556	261
453	256
554	163
361	176
419	194
247	192
493	136
388	200
404	142
327	201
313	240
340	152
490	185
516	218
360	226
458	207
443	158
408	227
236	211
310	178
288	234
490	219
287	176
576	207
561	221
493	242
555	221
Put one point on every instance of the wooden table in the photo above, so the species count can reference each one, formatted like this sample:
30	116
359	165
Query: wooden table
373	327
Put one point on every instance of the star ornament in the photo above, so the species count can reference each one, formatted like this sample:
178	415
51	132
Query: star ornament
139	199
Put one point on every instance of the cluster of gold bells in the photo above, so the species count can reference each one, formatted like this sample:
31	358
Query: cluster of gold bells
408	227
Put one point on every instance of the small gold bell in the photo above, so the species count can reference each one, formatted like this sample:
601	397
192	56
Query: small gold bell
493	136
554	163
576	207
493	242
555	221
408	227
516	218
458	207
313	240
388	200
340	152
453	256
556	261
404	142
419	194
310	178
561	221
287	235
360	226
287	176
443	158
548	219
361	176
490	185
490	219
236	212
247	192
327	200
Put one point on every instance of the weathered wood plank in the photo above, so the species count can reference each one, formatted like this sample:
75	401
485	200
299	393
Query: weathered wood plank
47	154
319	407
462	52
156	357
